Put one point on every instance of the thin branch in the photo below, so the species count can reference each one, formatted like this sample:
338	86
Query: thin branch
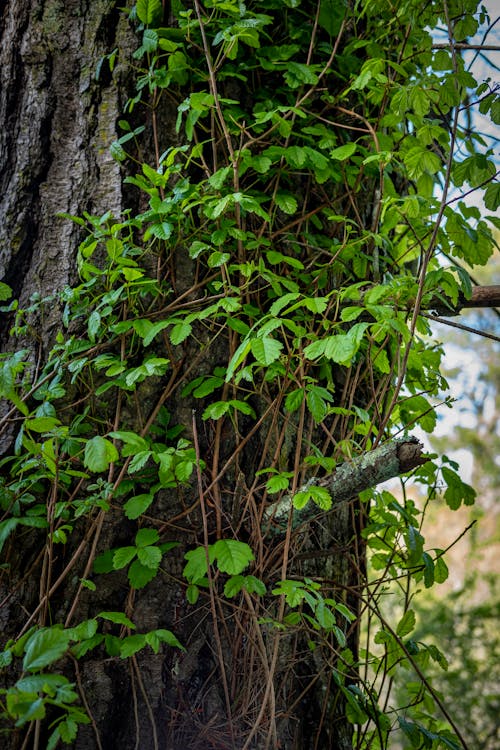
464	45
389	460
453	324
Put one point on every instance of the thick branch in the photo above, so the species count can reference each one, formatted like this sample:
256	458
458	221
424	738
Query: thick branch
391	459
482	296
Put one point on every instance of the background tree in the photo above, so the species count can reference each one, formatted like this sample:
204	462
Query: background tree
219	316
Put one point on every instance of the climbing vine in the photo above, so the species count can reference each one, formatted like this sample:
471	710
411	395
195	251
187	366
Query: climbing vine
252	322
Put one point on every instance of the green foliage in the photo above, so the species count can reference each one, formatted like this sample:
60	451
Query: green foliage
304	203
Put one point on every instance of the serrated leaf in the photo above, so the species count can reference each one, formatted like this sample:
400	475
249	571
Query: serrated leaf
149	556
196	566
44	647
163	636
278	483
345	611
192	593
232	556
162	230
180	332
320	497
233	586
122	556
140	575
218	178
316	404
149	11
428	570
93	325
41	424
266	350
300	499
294	399
217	259
99	453
146	537
286	202
216	410
456	491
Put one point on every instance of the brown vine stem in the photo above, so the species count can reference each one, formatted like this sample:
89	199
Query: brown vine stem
213	608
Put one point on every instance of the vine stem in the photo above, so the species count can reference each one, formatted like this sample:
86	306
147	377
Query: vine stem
213	608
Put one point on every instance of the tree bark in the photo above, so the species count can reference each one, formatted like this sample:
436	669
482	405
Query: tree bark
390	460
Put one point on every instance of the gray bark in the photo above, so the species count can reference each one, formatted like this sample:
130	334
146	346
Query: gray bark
390	460
57	125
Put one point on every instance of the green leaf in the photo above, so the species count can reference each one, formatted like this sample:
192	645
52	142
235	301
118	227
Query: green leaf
68	729
296	156
6	528
216	410
99	453
149	11
139	575
233	586
428	570
122	556
266	350
320	497
180	332
492	196
218	178
286	202
341	153
44	647
155	637
146	537
457	491
440	569
5	292
294	400
406	624
196	566
217	259
162	230
192	593
300	499
131	644
137	505
93	325
149	556
41	424
278	483
232	556
316	403
119	618
297	73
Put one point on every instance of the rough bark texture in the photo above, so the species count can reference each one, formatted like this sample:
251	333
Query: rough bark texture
390	460
57	123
